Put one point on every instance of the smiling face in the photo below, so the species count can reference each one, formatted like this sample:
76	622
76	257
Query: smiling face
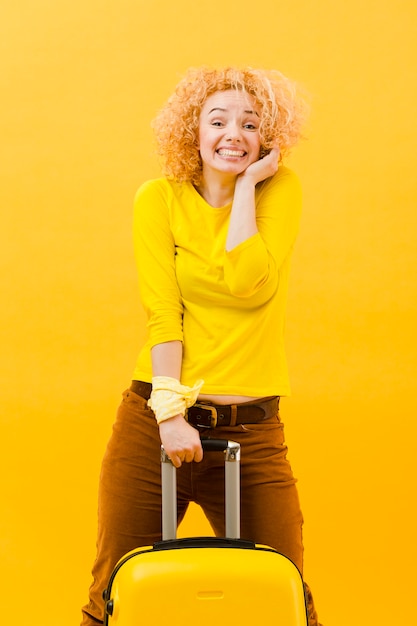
228	134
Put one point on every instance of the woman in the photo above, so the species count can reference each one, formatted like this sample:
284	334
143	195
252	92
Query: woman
213	242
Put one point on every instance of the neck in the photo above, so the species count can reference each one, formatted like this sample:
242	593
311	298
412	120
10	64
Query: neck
217	192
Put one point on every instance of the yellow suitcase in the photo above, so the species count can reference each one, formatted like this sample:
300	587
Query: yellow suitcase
205	580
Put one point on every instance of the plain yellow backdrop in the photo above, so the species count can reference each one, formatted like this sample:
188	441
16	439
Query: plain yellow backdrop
80	83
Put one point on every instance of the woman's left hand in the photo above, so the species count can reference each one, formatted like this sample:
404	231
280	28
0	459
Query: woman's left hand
243	216
263	168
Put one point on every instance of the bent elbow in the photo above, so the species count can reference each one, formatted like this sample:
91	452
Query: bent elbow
261	290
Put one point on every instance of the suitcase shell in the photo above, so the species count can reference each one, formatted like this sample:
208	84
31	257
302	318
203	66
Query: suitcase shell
207	580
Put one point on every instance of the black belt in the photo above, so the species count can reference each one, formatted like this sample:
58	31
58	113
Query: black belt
208	415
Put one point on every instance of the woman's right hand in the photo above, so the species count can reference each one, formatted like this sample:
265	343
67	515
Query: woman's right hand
180	440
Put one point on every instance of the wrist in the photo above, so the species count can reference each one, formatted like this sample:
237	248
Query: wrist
170	399
245	182
172	421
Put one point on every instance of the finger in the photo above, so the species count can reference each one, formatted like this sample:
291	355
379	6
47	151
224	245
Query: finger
275	152
189	456
193	454
198	455
175	460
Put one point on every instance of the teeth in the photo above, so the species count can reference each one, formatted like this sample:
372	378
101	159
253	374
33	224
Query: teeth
231	153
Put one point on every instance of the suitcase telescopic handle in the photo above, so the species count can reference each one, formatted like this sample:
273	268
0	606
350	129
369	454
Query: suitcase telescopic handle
231	451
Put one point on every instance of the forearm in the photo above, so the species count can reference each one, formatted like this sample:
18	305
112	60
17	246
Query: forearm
180	440
166	362
167	359
243	215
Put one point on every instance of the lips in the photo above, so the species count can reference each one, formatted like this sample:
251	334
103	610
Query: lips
228	152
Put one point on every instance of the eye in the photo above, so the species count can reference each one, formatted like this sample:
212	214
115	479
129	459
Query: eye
216	123
250	126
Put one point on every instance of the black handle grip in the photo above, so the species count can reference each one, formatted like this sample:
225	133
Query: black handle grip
214	445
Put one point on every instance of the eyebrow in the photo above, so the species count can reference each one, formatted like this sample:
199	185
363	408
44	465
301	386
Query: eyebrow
225	111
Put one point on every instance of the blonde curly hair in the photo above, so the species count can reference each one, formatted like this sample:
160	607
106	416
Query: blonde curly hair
282	114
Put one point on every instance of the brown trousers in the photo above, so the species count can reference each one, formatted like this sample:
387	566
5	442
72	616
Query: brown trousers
129	510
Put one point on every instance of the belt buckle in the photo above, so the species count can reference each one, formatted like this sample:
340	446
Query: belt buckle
212	414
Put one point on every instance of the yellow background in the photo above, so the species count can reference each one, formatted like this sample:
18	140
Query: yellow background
80	82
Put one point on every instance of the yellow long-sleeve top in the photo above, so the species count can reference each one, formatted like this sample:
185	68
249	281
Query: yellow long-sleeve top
227	308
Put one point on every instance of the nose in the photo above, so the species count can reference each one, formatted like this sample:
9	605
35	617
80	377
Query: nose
233	132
